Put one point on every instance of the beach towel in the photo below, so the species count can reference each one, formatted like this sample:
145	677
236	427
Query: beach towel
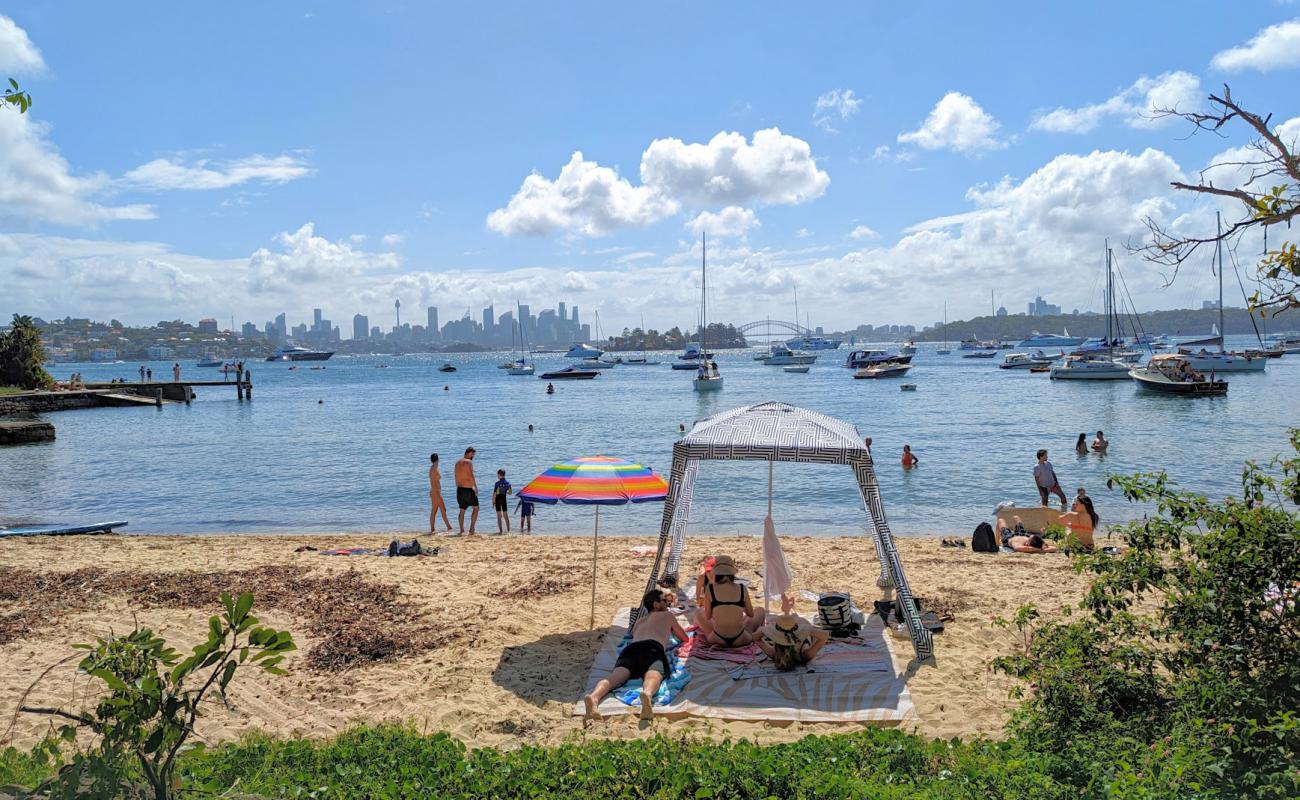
630	692
777	577
698	647
851	656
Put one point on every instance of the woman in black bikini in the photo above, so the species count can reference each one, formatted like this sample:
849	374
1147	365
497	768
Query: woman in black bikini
726	617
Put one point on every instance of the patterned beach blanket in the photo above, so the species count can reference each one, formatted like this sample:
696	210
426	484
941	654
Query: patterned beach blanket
837	657
697	647
630	692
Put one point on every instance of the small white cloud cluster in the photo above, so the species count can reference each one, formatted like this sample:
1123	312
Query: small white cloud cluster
18	56
732	221
1275	47
307	262
956	123
589	199
164	174
836	102
1176	91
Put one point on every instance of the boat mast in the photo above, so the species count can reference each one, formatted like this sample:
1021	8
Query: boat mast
704	296
1218	248
1110	303
796	307
945	324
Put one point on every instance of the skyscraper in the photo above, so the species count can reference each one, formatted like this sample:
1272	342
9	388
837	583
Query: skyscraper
432	327
360	326
315	318
575	317
563	318
489	321
281	325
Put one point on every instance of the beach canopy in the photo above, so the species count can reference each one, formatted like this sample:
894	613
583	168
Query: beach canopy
772	432
595	481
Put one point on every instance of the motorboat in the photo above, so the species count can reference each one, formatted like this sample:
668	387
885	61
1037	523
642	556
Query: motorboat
812	342
800	368
859	359
292	353
1091	367
908	348
780	355
1038	340
210	359
595	363
569	374
981	354
690	357
447	367
1170	373
580	350
883	371
1223	361
1026	360
968	344
1041	368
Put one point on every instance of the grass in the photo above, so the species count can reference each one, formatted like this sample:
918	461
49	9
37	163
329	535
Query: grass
4	390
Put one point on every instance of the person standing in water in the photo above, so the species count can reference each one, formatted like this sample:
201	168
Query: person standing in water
909	458
435	496
467	490
501	490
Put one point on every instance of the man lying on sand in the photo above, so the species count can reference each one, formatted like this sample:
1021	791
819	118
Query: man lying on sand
646	656
1018	539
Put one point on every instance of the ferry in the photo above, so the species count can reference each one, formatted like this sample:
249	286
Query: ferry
812	342
292	353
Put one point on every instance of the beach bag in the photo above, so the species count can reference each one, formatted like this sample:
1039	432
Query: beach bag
835	611
983	540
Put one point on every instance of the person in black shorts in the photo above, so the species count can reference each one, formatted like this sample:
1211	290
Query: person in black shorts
646	656
467	490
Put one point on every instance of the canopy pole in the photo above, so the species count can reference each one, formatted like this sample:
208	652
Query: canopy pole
595	540
770	466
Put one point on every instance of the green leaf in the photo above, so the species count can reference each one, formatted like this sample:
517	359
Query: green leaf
115	683
242	607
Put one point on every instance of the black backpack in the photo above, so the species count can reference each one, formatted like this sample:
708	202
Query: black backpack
983	540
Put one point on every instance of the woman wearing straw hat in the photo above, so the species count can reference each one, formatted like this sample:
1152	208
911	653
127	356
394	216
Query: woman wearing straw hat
726	617
790	642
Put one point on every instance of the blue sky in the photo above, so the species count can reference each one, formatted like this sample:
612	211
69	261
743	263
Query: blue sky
247	158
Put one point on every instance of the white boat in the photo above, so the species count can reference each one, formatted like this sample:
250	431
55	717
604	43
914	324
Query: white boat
981	354
1063	339
595	363
580	350
780	355
1223	361
1173	374
968	344
908	348
812	342
859	359
704	380
1026	360
521	365
945	350
883	371
1096	362
800	368
291	353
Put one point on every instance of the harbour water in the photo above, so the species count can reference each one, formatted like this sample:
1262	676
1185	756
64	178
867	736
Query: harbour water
346	447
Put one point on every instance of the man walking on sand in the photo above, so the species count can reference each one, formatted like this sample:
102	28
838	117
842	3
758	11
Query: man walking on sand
467	490
646	656
1045	478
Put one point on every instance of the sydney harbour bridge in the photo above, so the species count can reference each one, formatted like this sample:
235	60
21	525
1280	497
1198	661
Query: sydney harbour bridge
767	330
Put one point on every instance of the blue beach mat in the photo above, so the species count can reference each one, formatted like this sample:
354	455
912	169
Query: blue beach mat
630	692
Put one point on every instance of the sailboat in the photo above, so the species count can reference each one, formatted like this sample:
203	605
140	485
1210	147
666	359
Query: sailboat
704	380
639	361
523	365
945	350
1099	364
1208	361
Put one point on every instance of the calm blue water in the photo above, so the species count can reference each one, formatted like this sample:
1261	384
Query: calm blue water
357	460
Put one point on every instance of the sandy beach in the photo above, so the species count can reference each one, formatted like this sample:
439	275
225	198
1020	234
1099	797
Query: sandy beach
491	635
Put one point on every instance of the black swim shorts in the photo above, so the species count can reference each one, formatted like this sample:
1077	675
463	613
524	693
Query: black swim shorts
638	657
499	502
466	498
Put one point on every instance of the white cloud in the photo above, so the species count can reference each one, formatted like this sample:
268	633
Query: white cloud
18	55
1135	105
728	170
592	200
803	233
835	102
732	221
1275	47
164	174
863	232
310	262
635	256
586	198
957	123
37	183
393	239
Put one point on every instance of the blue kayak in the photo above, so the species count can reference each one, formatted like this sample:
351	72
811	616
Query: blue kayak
60	530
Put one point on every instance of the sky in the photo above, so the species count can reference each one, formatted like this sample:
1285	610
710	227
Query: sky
878	159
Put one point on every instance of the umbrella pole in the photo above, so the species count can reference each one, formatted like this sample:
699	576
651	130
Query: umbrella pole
766	599
595	539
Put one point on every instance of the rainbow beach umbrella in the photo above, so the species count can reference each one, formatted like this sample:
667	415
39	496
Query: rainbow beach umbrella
597	481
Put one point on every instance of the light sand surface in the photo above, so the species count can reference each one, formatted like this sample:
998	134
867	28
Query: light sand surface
515	675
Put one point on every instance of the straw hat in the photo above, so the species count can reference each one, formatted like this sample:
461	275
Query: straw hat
787	629
724	565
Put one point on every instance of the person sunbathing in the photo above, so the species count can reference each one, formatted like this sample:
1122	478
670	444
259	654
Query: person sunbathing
705	578
790	642
646	656
726	617
1081	520
1021	540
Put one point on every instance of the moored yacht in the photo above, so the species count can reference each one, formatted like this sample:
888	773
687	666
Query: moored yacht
691	357
580	350
1173	374
1026	360
1063	339
293	353
812	342
1092	367
779	356
858	359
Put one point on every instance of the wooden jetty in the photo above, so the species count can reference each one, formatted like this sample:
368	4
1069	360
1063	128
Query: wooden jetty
93	395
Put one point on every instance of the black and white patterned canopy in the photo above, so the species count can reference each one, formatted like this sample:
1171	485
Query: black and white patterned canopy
774	431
